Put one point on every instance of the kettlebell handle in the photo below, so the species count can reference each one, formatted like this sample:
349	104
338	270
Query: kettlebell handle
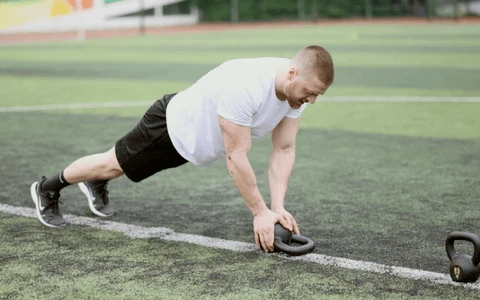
307	245
463	236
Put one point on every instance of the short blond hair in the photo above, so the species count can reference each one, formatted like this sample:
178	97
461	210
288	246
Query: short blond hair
316	61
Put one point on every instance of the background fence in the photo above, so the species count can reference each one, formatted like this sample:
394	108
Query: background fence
264	10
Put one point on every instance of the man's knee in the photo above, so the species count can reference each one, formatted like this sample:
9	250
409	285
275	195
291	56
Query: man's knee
111	168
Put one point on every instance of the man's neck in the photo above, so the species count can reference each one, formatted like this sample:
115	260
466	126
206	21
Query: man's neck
280	80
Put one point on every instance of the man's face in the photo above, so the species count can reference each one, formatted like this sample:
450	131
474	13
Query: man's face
303	89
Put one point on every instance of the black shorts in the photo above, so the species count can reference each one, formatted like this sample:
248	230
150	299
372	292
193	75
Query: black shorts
147	149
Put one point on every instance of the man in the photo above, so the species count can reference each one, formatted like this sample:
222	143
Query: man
218	116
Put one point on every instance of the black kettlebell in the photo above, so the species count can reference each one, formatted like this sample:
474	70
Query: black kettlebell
292	244
463	267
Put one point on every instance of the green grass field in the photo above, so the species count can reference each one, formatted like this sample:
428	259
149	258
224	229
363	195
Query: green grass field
382	182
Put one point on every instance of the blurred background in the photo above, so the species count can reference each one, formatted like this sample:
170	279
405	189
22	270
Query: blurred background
34	16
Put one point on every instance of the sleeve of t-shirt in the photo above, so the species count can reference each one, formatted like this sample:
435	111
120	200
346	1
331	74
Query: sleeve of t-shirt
296	113
237	106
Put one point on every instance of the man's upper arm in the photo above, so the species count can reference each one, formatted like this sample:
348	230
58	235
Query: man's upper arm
285	133
237	138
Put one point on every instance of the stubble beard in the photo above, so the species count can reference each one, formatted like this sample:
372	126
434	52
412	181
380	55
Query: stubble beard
294	103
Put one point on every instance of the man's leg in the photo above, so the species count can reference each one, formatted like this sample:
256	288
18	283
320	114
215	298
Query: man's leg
95	170
103	166
144	151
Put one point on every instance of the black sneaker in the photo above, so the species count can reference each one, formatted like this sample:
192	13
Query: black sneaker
97	195
47	206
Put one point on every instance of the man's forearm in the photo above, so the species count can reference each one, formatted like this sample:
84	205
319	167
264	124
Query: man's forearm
246	182
281	166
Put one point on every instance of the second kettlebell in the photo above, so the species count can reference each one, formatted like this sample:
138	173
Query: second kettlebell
463	267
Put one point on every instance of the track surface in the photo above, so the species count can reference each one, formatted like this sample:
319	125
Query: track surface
214	27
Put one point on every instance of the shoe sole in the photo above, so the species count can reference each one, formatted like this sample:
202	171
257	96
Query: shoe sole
90	198
35	198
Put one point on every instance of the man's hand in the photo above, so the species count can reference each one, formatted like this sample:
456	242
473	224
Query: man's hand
291	223
264	227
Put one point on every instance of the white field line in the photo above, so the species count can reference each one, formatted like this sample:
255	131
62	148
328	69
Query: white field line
398	99
167	234
147	103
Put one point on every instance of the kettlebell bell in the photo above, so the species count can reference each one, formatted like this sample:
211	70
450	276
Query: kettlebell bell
292	244
463	267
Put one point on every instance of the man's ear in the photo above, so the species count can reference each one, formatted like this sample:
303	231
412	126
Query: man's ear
292	72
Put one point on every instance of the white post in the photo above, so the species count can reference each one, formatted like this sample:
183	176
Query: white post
368	9
81	28
301	9
234	11
142	17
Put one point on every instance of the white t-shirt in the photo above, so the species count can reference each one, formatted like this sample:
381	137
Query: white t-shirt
240	90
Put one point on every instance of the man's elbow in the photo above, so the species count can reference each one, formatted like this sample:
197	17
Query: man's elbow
285	148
